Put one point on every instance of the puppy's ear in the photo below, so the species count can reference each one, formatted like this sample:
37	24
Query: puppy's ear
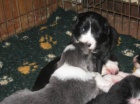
79	15
75	22
107	28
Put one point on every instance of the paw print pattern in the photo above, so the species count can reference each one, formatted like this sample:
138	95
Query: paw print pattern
54	24
27	67
56	21
24	38
69	33
134	69
5	80
6	45
49	57
43	27
74	18
1	64
119	41
137	45
128	52
46	42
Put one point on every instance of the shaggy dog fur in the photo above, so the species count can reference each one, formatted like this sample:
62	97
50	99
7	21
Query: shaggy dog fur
72	83
127	91
94	30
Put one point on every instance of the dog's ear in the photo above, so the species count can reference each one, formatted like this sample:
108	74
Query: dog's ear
107	28
75	22
79	15
112	34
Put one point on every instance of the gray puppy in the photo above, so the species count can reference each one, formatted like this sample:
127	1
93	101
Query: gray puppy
73	82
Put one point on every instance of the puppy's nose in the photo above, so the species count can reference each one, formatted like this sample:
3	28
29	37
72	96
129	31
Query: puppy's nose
88	44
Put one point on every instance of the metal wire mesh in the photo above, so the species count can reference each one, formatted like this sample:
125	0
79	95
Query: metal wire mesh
19	15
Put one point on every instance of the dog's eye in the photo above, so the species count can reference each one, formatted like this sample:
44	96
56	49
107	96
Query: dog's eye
83	30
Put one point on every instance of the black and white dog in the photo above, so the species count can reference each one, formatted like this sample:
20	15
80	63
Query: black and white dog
94	30
127	91
73	82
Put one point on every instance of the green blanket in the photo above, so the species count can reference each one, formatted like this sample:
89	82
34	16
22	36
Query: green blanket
24	55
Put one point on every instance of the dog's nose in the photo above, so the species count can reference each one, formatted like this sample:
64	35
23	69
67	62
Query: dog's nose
88	44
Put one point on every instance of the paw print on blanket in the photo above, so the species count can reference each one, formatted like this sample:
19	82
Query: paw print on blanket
5	80
27	67
119	41
43	27
69	33
137	45
128	52
49	57
46	42
134	69
56	21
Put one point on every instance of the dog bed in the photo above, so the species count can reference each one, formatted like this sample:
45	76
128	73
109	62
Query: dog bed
22	56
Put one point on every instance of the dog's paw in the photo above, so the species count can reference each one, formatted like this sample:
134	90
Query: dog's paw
123	74
105	85
102	83
111	67
113	78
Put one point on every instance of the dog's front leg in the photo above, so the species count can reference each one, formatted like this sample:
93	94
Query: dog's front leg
102	83
111	67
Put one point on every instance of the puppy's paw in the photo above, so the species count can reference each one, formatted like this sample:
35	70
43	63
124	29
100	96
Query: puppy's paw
113	78
122	74
102	83
105	85
111	67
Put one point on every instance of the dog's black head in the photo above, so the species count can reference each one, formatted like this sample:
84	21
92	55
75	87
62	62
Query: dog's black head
94	29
